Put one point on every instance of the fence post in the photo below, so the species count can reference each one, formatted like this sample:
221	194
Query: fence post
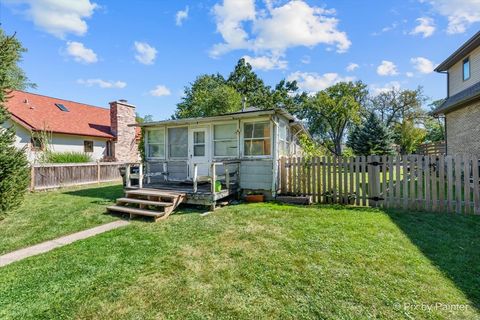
373	183
32	178
98	171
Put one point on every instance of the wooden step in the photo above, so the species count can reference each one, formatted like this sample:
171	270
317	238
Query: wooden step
136	211
147	192
146	202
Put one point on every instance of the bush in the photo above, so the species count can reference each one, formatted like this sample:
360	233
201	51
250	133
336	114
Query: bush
66	157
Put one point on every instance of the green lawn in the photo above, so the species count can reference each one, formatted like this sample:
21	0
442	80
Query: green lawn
48	215
256	261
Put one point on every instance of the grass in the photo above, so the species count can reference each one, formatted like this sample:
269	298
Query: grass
67	157
257	261
48	215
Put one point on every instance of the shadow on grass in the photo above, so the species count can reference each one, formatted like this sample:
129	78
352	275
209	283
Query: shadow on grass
100	195
450	242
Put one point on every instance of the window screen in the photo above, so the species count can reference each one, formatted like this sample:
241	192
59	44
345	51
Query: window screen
178	142
156	143
225	140
257	139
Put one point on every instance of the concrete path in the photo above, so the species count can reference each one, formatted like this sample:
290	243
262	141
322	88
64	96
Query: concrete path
59	242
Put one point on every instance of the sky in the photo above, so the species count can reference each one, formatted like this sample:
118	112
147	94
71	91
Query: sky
97	51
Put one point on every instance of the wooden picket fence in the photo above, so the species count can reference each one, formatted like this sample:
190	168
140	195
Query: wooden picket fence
49	176
417	182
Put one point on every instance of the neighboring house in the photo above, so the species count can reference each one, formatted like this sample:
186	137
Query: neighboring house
462	105
73	126
254	138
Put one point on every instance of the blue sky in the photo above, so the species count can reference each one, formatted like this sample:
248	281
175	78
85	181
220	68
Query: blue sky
96	51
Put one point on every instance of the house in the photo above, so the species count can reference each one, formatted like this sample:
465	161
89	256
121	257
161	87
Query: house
461	108
253	138
73	126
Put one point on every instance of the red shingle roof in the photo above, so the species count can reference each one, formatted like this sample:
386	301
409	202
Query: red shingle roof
38	112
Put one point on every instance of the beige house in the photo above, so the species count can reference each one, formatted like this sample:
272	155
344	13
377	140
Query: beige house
461	108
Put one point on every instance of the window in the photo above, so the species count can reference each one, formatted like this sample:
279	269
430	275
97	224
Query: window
178	142
225	140
37	143
87	146
156	143
108	149
61	107
257	139
283	137
466	69
199	143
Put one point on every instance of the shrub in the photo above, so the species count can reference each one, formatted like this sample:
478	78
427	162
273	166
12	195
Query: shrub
66	157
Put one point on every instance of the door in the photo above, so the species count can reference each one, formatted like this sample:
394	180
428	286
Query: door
199	151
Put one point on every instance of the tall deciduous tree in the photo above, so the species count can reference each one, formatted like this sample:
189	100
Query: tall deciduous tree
371	138
14	167
331	112
209	95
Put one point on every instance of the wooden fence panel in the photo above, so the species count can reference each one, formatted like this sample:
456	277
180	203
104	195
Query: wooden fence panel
49	176
417	182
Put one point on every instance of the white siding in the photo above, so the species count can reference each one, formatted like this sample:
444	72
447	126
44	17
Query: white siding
456	83
58	143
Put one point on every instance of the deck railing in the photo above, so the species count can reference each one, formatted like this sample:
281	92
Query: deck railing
213	175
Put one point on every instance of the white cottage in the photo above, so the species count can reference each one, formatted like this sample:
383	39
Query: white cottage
202	160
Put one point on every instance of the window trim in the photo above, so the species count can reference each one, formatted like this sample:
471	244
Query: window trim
269	121
85	146
109	148
467	59
237	139
146	143
167	151
33	147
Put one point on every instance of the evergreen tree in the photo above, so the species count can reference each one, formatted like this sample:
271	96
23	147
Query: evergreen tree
371	138
14	167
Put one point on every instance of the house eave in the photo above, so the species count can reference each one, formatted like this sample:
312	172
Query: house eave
460	53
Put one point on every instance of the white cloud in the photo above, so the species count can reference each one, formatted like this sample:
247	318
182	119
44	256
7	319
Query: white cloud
425	27
306	60
145	53
59	17
275	29
80	53
180	16
313	82
387	68
160	91
409	74
352	66
376	89
422	65
102	83
266	62
460	13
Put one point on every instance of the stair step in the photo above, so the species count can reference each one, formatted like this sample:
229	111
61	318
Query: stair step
163	194
140	212
147	202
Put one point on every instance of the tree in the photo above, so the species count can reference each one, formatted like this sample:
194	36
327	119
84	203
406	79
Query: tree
408	136
212	94
396	105
371	138
14	166
435	126
331	112
208	95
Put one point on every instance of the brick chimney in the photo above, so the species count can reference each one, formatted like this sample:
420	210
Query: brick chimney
121	115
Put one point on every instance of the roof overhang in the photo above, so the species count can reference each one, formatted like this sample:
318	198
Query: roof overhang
460	53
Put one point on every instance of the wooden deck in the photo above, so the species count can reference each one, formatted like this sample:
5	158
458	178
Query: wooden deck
160	199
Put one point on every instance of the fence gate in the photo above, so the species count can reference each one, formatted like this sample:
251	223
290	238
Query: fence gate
416	182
